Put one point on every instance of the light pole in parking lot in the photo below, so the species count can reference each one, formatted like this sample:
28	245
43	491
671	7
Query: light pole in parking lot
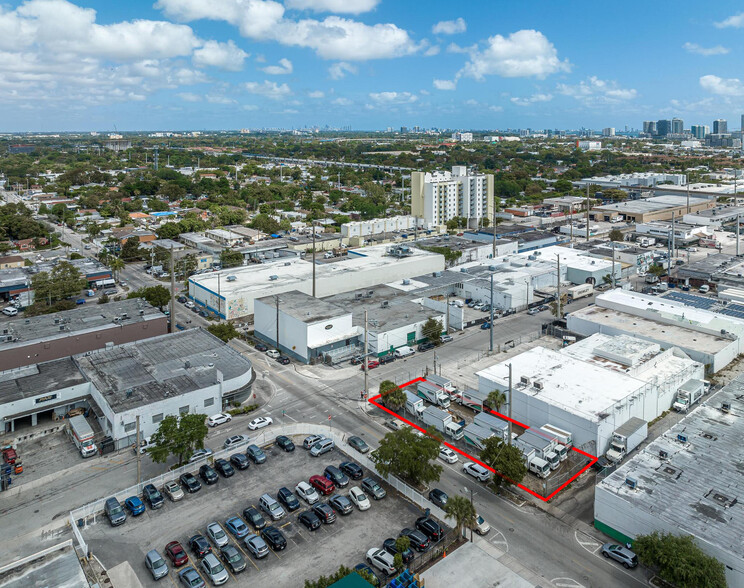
471	506
490	344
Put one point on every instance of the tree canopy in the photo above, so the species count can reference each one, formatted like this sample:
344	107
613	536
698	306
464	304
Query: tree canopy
409	456
178	436
432	330
64	281
505	459
392	395
158	296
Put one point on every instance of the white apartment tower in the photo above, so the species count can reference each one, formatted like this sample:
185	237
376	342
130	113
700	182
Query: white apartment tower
441	196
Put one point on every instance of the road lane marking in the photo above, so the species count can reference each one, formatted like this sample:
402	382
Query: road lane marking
566	583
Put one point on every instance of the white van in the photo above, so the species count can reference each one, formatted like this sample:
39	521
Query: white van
10	311
704	289
404	351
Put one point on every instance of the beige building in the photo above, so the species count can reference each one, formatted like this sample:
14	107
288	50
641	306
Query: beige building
11	261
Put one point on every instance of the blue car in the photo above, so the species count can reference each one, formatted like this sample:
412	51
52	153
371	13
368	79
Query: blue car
255	453
134	505
485	326
190	578
237	527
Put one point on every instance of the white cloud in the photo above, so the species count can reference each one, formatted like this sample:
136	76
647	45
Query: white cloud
316	94
341	101
336	6
393	97
496	108
532	99
250	107
526	53
340	69
268	89
455	48
706	51
596	92
736	22
284	67
432	51
449	27
218	99
722	86
226	56
445	84
189	97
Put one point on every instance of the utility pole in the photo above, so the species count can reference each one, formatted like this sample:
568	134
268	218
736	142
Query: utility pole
312	227
276	299
446	315
558	287
139	453
613	264
738	220
172	293
435	363
490	330
366	351
510	404
219	296
587	212
687	181
493	228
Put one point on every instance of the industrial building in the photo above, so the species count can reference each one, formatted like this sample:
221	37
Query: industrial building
650	209
592	387
527	238
715	217
663	230
382	225
685	482
644	179
469	249
230	293
37	339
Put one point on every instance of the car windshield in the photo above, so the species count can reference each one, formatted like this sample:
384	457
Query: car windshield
219	533
218	568
195	581
158	563
234	557
361	496
480	520
116	510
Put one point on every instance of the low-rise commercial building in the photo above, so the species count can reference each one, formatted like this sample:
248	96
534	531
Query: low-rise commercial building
651	209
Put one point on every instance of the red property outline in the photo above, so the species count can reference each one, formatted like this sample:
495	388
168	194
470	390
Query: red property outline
592	458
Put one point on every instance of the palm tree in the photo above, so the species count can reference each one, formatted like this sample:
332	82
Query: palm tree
116	265
461	510
496	399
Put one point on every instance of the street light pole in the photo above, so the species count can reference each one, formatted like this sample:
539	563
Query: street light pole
510	404
558	286
366	351
473	507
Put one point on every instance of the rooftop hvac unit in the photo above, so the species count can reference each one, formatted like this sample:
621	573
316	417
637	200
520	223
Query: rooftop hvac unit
286	263
725	407
358	296
61	327
142	313
682	438
463	270
538	385
124	315
273	278
492	268
525	380
663	454
56	321
384	304
632	483
187	364
231	278
5	331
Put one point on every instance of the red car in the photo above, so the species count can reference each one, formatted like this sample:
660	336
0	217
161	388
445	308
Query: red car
176	553
322	485
371	364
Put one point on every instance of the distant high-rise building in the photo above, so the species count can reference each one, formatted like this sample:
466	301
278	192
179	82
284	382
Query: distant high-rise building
649	127
663	127
720	126
678	126
742	123
608	132
441	196
700	131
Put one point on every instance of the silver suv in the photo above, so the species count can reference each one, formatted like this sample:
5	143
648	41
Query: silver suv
271	507
157	566
214	570
619	553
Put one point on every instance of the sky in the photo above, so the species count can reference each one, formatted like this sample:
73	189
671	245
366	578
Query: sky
103	65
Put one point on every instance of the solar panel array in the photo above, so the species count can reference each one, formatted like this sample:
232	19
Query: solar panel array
692	300
735	310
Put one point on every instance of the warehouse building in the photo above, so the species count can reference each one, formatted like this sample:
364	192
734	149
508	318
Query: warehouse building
469	250
592	388
231	293
715	217
650	209
687	482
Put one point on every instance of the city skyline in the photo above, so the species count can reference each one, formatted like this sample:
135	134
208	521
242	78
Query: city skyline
368	64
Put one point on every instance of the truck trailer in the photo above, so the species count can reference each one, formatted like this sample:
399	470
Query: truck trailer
580	291
688	394
476	435
82	435
563	436
442	421
474	399
414	404
544	448
432	393
444	383
626	438
495	424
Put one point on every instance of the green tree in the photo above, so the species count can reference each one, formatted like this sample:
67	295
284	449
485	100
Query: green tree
450	255
131	249
343	571
75	255
405	454
230	258
496	399
392	395
402	544
461	511
158	296
505	459
93	229
224	331
563	186
64	281
178	436
657	270
616	235
554	306
615	194
432	330
116	264
679	560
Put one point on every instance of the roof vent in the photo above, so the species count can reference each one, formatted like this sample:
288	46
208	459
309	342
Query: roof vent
273	278
725	407
406	282
682	438
187	364
663	454
632	483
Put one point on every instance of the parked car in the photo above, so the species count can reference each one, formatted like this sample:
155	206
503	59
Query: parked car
201	454
351	469
257	546
190	483
173	491
182	299
175	552
389	546
218	419
395	424
533	311
341	504
619	553
223	467
311	440
285	443
477	471
190	578
283	359
356	360
260	423
274	538
134	505
438	497
359	444
321	447
359	498
322	485
324	513
429	527
235	440
199	545
114	511
256	454
207	473
371	487
382	560
419	541
383	359
310	520
481	526
152	496
261	347
335	475
254	517
288	499
426	346
446	454
217	534
236	527
272	353
214	570
445	338
233	558
307	493
240	461
271	507
485	326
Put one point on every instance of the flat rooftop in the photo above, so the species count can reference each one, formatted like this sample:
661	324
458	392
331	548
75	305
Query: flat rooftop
305	307
696	488
720	212
34	380
85	318
57	566
576	386
137	374
655	204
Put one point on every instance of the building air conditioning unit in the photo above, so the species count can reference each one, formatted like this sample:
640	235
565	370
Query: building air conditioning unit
632	483
725	407
525	380
384	304
61	327
273	278
682	438
663	454
358	296
538	385
406	282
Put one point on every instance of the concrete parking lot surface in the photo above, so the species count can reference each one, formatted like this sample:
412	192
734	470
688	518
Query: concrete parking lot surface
308	554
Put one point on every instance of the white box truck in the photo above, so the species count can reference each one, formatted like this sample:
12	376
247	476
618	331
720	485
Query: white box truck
535	464
688	394
444	383
626	439
563	436
414	404
433	394
82	435
544	447
499	427
476	435
442	421
473	399
580	291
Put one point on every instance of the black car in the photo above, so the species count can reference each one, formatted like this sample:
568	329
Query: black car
285	443
438	497
223	467
283	359
182	299
419	541
288	499
358	443
601	464
190	483
389	546
389	358
426	346
255	518
310	520
341	504
152	496
336	476
207	473
351	469
255	453
356	360
261	347
324	513
195	309
430	528
203	313
240	461
274	538
199	545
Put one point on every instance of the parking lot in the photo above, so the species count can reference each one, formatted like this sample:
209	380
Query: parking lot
308	555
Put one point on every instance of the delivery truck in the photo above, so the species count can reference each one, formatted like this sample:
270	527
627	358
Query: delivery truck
414	404
626	439
535	464
688	394
432	393
444	383
82	435
476	435
563	436
474	399
499	427
544	447
580	291
442	421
